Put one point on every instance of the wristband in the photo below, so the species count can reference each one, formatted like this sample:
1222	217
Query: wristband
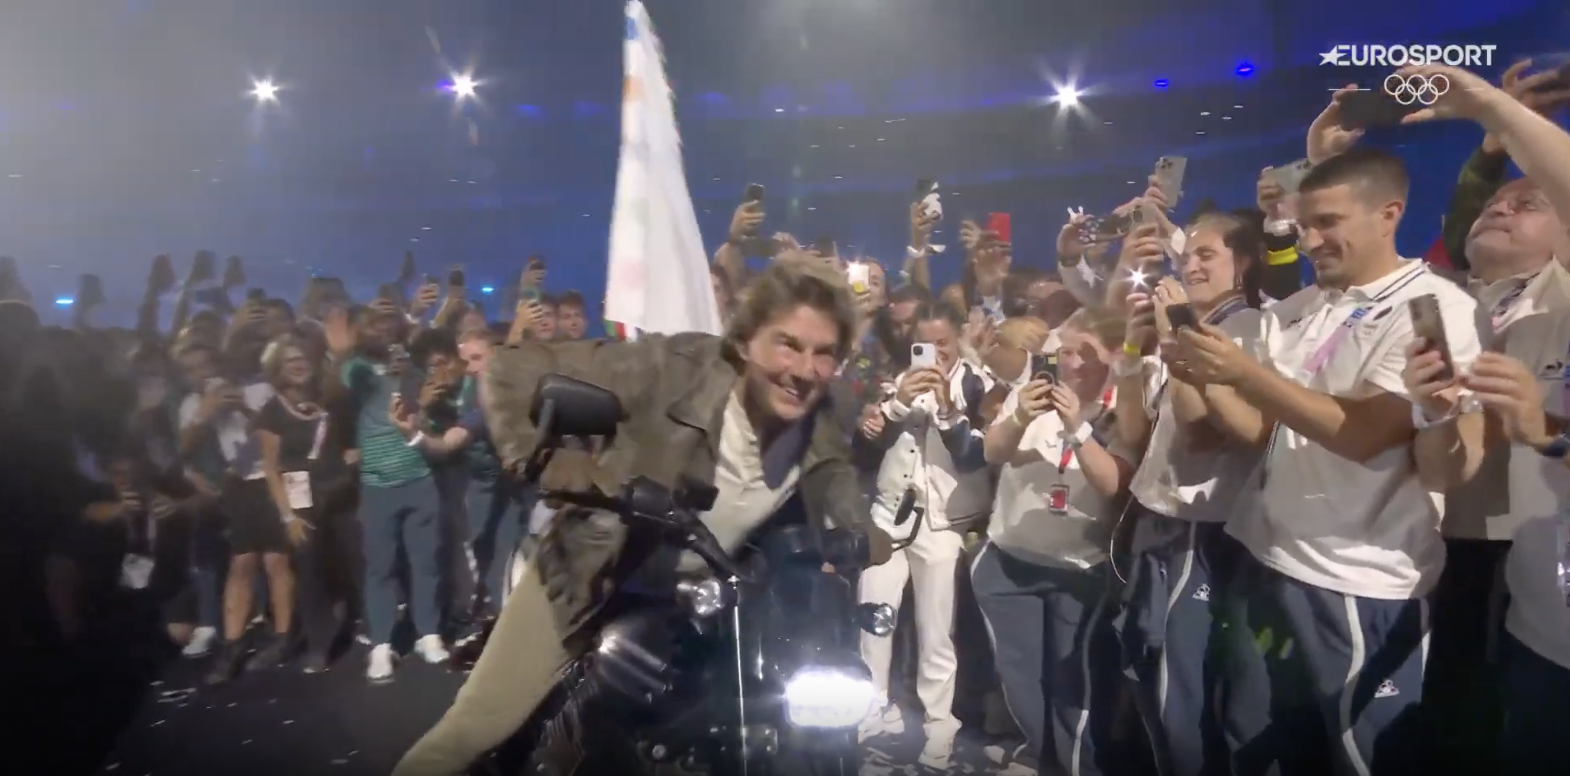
417	439
1130	349
1420	419
1022	419
1079	436
1126	368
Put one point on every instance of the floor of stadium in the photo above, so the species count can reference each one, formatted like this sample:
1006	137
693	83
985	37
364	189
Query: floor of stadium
157	719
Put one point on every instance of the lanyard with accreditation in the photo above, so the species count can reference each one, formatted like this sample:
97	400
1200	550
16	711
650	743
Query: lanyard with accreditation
1328	347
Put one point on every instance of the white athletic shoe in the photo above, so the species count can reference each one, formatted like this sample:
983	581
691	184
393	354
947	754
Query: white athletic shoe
380	667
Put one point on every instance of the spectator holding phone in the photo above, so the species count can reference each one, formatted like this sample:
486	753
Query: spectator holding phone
931	434
1189	477
1041	579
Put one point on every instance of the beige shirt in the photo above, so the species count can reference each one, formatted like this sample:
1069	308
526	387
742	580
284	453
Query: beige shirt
745	500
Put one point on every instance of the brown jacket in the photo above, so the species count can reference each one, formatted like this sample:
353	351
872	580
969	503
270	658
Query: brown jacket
673	391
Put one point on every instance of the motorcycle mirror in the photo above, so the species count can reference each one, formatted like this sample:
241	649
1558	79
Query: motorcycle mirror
646	497
564	406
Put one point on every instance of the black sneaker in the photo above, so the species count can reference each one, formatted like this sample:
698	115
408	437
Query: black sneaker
226	663
313	662
272	655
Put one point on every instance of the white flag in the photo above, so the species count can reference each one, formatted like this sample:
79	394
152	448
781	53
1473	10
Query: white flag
658	278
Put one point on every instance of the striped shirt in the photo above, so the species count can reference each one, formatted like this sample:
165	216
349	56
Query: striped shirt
386	459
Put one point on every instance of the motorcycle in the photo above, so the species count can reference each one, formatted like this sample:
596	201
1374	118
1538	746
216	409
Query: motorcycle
752	669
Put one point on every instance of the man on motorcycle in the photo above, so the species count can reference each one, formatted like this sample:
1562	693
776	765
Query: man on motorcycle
746	413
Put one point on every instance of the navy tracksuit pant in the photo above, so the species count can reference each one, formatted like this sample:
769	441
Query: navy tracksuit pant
1179	571
1050	629
1320	682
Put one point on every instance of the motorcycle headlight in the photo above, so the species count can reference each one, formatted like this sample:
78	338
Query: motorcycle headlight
819	697
705	597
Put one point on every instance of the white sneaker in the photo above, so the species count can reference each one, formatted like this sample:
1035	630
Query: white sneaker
201	641
937	751
883	721
431	648
380	666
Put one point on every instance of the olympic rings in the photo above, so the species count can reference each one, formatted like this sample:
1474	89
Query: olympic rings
1420	89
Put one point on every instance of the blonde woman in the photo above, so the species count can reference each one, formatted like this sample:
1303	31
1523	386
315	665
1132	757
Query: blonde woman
293	431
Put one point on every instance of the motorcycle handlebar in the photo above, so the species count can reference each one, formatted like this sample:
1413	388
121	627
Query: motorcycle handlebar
696	536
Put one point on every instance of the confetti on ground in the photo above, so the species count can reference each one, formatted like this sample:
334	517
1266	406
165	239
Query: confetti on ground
288	722
159	722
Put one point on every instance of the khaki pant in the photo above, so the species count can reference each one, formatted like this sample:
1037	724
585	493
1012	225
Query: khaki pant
517	670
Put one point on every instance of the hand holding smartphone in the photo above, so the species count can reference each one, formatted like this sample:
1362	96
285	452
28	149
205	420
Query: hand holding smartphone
1181	316
1001	225
1429	327
1044	366
923	355
1169	177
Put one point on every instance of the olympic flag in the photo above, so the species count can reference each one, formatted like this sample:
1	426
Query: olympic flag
658	278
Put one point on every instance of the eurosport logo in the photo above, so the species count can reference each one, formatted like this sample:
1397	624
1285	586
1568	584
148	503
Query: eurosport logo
1423	90
1380	55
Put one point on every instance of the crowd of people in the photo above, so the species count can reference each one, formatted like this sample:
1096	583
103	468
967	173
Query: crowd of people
1245	482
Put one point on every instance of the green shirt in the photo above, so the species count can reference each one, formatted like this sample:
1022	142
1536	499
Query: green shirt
386	459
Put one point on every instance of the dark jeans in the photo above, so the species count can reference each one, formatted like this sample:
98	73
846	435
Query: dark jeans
313	577
407	516
1461	691
1537	715
496	516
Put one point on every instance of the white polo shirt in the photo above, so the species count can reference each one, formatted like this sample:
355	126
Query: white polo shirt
1196	485
1364	529
1024	522
1539	495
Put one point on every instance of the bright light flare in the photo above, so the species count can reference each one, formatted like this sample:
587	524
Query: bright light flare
1138	278
1067	97
265	91
463	85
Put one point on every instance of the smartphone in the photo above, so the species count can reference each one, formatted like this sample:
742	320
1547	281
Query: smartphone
1169	177
1374	108
927	194
205	267
234	272
923	355
406	272
824	246
455	278
1290	178
213	383
256	295
859	275
1113	226
754	193
1181	316
162	277
1044	366
90	292
999	224
1429	326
